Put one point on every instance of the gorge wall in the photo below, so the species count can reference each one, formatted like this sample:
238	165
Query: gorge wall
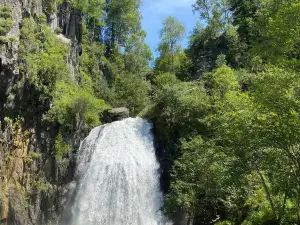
32	179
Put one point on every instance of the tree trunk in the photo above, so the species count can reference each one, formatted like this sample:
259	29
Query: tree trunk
172	58
173	63
298	206
283	207
93	35
267	193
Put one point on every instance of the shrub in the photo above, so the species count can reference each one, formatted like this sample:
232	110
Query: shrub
44	55
131	91
6	23
61	147
72	104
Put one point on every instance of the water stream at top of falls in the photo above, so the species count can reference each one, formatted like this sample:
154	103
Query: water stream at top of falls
117	178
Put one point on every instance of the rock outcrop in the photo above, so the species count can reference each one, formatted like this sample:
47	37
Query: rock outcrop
32	180
115	114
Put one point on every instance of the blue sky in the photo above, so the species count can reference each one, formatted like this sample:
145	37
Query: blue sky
155	11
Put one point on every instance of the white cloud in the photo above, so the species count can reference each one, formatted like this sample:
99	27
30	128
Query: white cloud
168	6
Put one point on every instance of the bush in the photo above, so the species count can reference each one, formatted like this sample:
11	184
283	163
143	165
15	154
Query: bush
43	54
72	104
5	12
61	147
6	22
132	92
58	30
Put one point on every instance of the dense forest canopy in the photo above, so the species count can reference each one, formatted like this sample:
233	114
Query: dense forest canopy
226	109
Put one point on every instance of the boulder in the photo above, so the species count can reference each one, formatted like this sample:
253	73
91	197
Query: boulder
115	115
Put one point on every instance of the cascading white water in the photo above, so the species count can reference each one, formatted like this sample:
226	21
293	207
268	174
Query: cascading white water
117	177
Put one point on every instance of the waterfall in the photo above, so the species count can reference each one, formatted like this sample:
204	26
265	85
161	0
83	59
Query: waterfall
117	179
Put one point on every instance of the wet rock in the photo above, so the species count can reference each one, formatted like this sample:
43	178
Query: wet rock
115	115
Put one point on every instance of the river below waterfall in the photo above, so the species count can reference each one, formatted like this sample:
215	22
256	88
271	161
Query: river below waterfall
117	178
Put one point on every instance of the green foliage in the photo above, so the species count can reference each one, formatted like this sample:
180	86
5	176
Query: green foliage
131	91
42	19
221	61
179	62
60	147
178	109
92	68
224	223
49	6
171	34
119	64
35	155
249	144
5	12
221	81
42	185
244	16
32	156
215	13
276	92
123	19
279	33
198	172
44	56
72	106
6	23
58	30
137	54
258	129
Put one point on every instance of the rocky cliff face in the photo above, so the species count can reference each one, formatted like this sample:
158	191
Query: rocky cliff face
32	180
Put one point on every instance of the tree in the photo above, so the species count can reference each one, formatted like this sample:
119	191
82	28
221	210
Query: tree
244	16
279	37
122	19
215	13
171	34
198	181
258	130
95	10
137	53
131	91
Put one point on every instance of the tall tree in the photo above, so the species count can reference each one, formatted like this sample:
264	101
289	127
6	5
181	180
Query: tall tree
122	18
171	34
137	53
278	38
95	10
215	13
244	15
